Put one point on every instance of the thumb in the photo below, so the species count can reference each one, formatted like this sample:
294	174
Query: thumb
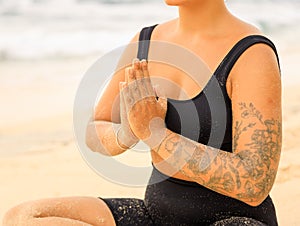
163	102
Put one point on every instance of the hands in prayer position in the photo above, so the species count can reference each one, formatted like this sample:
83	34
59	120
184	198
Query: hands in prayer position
142	114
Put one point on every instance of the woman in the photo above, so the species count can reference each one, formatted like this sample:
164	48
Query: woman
225	185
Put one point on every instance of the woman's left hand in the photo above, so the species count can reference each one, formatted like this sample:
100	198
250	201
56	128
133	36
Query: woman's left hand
146	114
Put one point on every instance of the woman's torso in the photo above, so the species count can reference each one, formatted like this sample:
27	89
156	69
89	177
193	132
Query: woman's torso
176	196
212	51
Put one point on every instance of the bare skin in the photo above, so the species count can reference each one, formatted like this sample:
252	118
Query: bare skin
209	30
75	211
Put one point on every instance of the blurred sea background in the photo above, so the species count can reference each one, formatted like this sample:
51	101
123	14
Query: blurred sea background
46	46
52	29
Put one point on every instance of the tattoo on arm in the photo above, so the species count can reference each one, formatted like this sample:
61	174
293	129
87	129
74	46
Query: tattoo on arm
244	175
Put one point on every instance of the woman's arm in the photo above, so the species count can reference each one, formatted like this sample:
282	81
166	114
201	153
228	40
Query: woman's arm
249	172
108	131
101	136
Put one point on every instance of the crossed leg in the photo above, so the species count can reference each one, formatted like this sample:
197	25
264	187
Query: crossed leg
75	211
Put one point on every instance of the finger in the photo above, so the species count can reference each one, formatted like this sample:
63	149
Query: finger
125	96
139	75
138	71
136	64
136	68
130	75
121	86
130	97
122	101
120	96
144	67
162	99
142	87
146	78
163	102
133	85
127	74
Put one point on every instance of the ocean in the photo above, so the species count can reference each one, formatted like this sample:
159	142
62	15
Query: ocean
47	29
47	45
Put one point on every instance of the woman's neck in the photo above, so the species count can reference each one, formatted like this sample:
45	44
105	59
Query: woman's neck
205	18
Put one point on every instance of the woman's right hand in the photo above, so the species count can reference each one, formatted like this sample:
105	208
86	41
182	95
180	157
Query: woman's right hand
125	136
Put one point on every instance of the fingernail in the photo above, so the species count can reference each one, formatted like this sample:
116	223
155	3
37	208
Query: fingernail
135	60
144	62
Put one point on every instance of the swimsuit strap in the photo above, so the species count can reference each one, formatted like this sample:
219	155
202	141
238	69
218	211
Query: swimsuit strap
238	49
144	42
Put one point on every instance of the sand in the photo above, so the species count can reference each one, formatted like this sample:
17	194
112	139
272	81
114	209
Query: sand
39	157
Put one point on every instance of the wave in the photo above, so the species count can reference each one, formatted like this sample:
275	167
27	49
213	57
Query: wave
34	29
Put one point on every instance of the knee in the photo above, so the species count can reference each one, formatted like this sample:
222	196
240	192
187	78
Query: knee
10	217
18	215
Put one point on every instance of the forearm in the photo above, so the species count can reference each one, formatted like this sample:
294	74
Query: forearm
101	136
234	175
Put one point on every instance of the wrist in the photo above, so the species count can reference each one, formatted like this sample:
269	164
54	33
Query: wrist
125	140
156	138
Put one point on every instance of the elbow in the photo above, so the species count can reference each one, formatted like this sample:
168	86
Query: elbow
89	144
257	183
90	137
255	201
93	142
259	196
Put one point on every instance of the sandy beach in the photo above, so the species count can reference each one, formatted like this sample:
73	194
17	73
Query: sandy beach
39	157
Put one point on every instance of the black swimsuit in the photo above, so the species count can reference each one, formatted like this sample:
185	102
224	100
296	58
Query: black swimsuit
178	202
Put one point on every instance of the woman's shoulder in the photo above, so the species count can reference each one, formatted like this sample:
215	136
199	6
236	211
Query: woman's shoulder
159	31
262	46
163	30
259	60
245	29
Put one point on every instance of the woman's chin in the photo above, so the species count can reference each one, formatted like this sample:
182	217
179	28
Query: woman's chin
184	2
175	2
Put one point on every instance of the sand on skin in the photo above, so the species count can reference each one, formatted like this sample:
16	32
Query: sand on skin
48	163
